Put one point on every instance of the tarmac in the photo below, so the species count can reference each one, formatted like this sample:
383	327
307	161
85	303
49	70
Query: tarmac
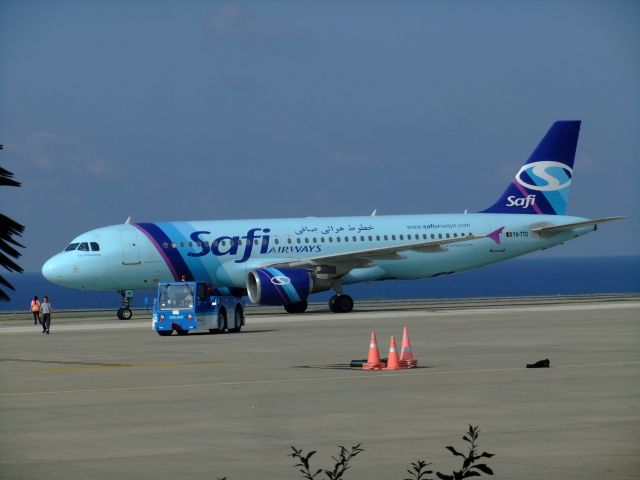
104	398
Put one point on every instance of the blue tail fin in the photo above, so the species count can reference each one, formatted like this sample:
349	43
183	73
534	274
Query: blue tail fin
541	186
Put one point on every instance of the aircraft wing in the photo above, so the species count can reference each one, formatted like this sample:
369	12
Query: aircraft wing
550	230
341	263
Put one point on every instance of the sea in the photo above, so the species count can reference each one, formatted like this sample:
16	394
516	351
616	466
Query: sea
515	278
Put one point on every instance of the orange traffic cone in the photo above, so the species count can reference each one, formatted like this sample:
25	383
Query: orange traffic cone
406	355
393	363
373	361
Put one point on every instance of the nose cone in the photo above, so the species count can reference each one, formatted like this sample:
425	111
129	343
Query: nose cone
56	270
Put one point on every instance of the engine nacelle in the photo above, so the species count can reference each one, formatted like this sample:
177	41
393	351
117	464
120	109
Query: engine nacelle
275	286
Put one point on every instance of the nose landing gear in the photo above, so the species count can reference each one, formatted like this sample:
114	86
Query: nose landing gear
124	312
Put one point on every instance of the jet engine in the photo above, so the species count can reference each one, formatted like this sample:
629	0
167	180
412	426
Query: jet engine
275	286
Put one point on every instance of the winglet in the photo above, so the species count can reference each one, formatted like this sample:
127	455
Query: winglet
495	235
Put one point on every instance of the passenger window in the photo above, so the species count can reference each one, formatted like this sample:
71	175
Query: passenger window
95	247
165	245
448	236
298	240
401	237
337	239
386	237
71	247
315	240
346	239
433	236
370	238
306	239
393	237
321	239
354	238
288	240
276	241
440	236
330	239
84	247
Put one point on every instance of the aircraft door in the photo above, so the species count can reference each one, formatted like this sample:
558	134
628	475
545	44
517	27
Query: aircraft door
130	253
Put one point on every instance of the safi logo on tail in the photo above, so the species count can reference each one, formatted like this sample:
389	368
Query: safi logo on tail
541	186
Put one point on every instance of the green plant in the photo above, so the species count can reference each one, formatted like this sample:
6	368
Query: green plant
341	464
469	467
8	229
419	471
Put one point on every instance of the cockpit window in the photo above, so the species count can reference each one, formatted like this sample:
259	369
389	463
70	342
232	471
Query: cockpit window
71	247
84	247
95	247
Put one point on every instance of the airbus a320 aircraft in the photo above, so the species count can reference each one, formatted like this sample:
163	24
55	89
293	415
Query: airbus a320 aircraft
283	261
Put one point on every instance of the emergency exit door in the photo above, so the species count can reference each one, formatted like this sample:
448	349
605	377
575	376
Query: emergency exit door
130	253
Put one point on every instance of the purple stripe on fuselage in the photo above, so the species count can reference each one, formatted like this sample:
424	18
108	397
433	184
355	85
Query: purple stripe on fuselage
171	256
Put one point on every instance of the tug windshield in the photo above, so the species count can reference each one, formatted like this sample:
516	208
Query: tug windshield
176	296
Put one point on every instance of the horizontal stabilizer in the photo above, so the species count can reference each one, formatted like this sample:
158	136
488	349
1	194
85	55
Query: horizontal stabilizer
547	231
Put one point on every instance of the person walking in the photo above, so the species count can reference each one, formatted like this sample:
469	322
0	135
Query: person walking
35	309
45	310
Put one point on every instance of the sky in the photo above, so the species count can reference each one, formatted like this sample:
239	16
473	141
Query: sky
172	110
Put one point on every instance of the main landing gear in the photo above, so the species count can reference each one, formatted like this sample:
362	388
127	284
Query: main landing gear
338	304
298	307
341	303
124	312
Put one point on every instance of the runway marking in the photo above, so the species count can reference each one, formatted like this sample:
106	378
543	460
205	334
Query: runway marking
86	366
83	367
356	374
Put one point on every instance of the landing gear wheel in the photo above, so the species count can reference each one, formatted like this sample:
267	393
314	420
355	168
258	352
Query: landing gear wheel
341	304
124	312
298	307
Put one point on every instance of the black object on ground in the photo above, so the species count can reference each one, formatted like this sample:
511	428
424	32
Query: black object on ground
540	364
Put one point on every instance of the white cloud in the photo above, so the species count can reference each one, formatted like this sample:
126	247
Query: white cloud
49	152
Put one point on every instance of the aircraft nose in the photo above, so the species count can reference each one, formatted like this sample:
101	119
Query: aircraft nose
54	270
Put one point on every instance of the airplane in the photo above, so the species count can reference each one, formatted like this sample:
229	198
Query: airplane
283	261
